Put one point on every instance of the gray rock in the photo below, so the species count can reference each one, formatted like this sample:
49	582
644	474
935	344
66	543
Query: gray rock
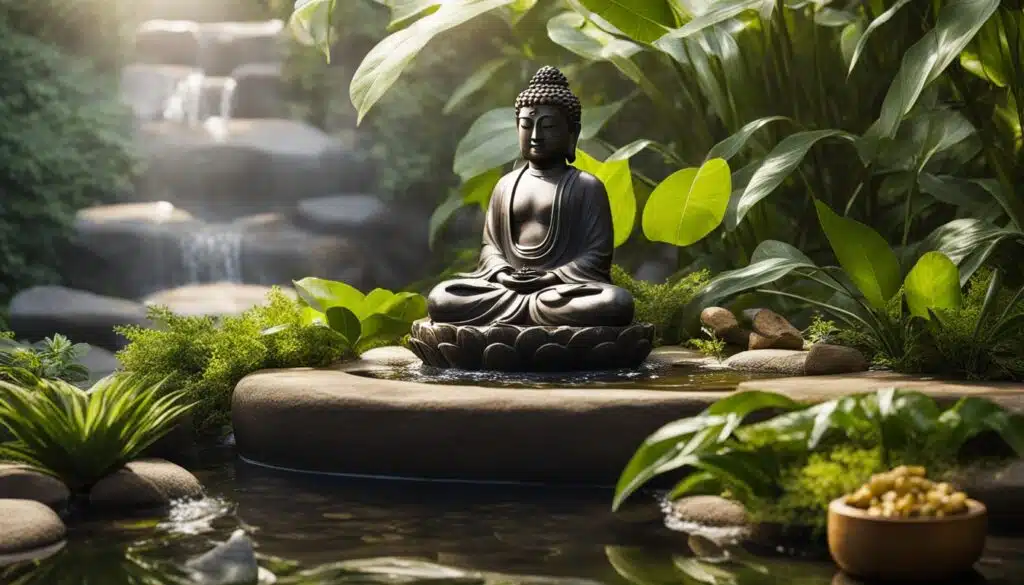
147	89
279	255
342	213
229	45
26	525
725	326
1001	490
784	362
129	250
676	355
216	299
824	359
230	563
772	331
84	317
101	363
226	169
168	42
144	483
713	511
259	92
22	483
389	356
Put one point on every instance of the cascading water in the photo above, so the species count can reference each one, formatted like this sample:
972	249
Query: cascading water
213	254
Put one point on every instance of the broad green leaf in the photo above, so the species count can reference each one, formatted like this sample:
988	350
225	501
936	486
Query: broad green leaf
441	215
574	33
780	162
848	40
973	195
378	329
386	61
491	142
310	24
643	20
957	23
618	182
882	19
630	150
776	249
729	147
405	11
479	189
407	307
474	83
344	322
960	238
378	300
864	255
733	282
933	283
594	118
689	204
720	12
989	55
322	294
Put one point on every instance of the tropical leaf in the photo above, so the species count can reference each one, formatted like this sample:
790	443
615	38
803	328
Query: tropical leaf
775	249
322	294
732	145
574	33
441	215
720	12
310	24
595	118
643	20
875	24
933	283
780	162
491	142
474	83
864	255
957	23
345	322
381	329
618	182
689	204
383	65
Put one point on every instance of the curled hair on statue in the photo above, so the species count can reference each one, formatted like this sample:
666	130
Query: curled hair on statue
549	87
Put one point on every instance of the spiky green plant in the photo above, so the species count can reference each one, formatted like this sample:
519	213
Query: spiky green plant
80	436
54	358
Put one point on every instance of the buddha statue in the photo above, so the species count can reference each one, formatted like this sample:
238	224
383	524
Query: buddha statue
548	238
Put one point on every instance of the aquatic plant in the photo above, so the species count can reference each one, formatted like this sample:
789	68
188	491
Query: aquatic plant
751	460
206	357
80	436
54	358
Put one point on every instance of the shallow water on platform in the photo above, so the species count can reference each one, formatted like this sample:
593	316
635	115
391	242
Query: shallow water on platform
304	526
650	376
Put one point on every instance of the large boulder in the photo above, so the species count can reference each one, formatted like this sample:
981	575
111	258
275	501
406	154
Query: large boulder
23	483
27	525
168	42
258	92
229	45
145	483
224	169
280	254
198	10
129	250
824	359
148	89
101	363
215	299
84	317
784	362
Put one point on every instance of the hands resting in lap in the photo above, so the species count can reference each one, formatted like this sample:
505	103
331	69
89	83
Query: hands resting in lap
527	280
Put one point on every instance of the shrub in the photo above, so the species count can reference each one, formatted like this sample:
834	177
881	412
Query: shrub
661	304
81	436
64	145
54	358
206	357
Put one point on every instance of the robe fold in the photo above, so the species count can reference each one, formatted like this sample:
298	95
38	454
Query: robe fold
578	248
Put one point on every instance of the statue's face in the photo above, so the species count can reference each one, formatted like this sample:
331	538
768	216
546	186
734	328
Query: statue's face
544	134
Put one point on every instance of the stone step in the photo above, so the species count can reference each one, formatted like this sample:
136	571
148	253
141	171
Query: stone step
225	169
212	299
199	10
218	48
42	311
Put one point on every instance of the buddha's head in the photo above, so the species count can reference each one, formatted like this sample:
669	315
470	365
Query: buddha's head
548	118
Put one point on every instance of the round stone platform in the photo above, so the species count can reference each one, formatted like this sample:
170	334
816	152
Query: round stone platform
510	348
335	422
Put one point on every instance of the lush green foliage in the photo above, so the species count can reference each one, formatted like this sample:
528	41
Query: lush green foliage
64	145
99	30
662	304
380	317
713	346
983	338
206	357
756	461
81	436
54	358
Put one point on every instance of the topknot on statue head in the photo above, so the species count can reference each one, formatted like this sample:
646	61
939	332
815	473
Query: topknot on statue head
550	87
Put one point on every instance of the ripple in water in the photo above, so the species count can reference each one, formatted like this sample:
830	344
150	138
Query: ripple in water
192	517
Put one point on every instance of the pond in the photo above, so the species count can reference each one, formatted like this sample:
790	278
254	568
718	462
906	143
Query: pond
651	376
304	526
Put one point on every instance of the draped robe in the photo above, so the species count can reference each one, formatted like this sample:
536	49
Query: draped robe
578	249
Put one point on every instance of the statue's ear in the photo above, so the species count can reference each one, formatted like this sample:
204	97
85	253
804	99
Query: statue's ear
571	154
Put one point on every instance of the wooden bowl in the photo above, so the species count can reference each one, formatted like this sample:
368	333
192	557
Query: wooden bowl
906	549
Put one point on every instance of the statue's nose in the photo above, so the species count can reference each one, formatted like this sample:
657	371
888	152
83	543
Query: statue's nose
535	134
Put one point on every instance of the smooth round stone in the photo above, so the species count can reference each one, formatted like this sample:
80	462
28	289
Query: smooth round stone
22	483
145	483
216	299
339	213
27	525
389	356
41	311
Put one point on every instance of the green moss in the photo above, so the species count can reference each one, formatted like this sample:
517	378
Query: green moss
662	303
809	485
207	357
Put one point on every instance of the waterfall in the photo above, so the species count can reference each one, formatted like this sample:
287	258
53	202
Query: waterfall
227	95
213	254
185	104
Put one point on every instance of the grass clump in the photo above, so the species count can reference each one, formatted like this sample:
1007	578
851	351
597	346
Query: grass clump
661	304
54	358
713	346
82	436
206	357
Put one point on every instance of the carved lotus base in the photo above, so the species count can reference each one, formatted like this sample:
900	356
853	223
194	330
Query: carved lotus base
509	348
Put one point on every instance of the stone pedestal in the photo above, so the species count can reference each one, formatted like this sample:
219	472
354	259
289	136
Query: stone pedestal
509	348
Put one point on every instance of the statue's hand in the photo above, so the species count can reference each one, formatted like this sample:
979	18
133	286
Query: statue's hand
528	281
